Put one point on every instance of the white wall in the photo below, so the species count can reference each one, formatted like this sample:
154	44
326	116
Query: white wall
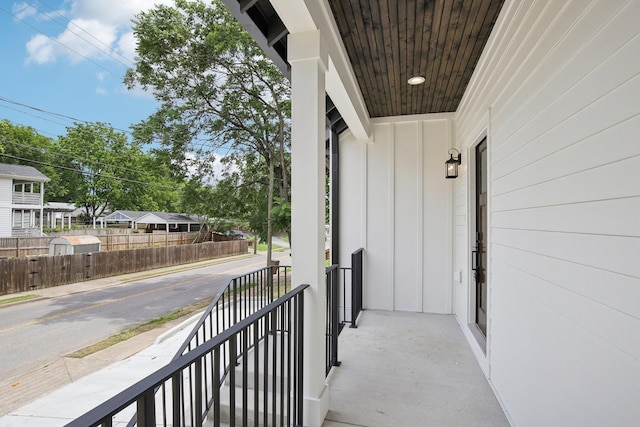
557	91
6	189
396	203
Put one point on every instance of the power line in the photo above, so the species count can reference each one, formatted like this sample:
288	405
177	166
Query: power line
88	173
64	116
86	160
32	115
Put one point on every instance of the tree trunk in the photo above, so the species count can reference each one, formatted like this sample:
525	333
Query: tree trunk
269	208
284	187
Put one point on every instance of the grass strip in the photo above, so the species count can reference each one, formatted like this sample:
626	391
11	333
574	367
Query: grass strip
16	299
137	330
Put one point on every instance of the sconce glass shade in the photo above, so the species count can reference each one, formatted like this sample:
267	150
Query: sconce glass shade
452	164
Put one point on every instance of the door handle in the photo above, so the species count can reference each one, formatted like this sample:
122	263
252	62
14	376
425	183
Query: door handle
474	260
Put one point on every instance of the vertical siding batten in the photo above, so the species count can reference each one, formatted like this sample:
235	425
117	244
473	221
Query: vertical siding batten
420	212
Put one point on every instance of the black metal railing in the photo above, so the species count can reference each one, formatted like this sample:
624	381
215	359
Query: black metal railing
344	302
356	285
243	295
334	326
249	374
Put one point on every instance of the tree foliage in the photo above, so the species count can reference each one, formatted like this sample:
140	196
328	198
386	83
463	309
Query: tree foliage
22	145
95	167
218	92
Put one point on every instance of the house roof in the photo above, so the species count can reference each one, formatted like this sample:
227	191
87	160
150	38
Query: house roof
153	217
387	42
122	215
166	217
27	173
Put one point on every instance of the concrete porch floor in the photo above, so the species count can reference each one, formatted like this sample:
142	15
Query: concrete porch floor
409	369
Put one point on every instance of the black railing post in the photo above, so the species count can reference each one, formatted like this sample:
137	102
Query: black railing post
333	317
356	286
335	323
300	358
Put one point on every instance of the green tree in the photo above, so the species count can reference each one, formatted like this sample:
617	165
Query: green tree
217	90
104	170
22	145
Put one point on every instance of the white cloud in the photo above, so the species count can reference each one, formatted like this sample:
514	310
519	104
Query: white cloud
24	10
40	49
97	30
127	45
113	12
137	92
77	45
101	91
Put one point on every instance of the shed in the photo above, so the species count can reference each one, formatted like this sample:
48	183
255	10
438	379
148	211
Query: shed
67	245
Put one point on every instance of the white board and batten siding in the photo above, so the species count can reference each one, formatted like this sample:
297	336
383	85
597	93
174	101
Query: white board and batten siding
557	92
396	203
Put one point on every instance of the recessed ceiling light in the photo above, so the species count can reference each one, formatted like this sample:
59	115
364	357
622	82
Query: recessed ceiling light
416	80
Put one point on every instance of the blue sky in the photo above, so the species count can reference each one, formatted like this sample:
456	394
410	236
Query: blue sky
68	58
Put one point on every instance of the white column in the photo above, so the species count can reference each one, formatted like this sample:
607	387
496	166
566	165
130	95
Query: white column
308	59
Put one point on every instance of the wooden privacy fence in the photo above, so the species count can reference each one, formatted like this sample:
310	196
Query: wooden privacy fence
145	240
25	246
24	274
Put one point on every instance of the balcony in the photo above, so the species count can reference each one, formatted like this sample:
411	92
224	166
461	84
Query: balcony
23	198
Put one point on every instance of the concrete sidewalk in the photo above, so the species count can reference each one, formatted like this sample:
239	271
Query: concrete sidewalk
134	359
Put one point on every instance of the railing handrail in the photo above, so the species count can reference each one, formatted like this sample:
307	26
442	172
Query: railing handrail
133	393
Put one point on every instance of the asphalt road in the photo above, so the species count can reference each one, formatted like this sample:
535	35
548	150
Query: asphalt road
38	332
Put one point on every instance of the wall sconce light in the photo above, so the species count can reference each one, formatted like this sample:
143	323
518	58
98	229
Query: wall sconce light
452	164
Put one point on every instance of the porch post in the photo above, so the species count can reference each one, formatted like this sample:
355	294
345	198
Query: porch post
308	59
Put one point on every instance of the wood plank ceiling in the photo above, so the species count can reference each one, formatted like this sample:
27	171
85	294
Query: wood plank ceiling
389	41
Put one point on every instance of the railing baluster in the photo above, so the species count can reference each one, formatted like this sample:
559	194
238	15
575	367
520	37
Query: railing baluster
198	392
176	397
146	409
216	388
289	330
265	374
256	373
282	356
232	380
245	381
274	348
